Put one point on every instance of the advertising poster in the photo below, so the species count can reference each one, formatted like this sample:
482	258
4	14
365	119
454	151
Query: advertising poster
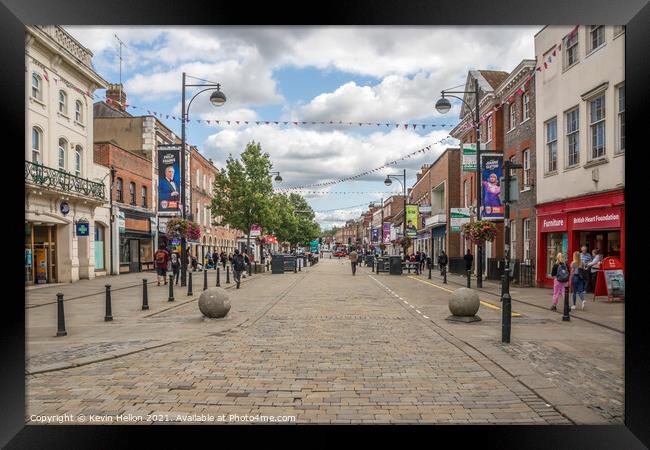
374	236
256	231
491	173
169	175
313	246
469	157
386	226
411	220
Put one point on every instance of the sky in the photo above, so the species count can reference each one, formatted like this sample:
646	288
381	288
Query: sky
328	73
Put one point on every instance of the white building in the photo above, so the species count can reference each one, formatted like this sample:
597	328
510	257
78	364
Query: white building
63	187
580	140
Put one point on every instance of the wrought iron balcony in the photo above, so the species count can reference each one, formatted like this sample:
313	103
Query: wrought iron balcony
62	181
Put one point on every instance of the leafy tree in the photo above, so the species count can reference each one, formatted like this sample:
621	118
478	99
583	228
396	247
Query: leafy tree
244	191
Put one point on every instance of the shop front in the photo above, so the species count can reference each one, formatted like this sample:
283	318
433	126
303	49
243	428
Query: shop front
596	221
136	243
40	253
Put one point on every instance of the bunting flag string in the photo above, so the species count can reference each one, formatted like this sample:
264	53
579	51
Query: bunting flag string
345	207
444	140
323	193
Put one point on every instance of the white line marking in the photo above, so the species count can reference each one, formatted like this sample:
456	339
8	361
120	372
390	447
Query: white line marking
418	311
412	306
426	317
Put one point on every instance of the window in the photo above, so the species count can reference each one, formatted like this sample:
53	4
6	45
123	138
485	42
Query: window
489	129
144	196
551	145
596	36
198	178
525	106
77	160
570	49
466	193
526	226
621	119
63	102
62	146
513	239
132	192
597	126
120	190
513	115
573	137
36	145
37	92
78	112
525	156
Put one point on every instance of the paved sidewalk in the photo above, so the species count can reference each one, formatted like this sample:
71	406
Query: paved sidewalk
326	347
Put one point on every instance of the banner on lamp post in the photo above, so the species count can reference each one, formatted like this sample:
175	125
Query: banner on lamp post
411	220
469	157
169	186
386	229
491	173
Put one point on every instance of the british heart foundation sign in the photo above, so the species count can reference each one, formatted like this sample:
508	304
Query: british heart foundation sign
609	218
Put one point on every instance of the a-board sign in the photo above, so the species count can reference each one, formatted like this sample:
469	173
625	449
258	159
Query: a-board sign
610	280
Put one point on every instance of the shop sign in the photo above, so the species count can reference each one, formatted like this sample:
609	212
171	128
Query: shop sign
313	246
458	217
469	157
610	218
425	209
82	228
256	231
555	222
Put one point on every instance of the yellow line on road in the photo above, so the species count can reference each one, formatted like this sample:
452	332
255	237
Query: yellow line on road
483	302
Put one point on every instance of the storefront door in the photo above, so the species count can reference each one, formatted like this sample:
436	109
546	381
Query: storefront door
99	247
42	254
134	250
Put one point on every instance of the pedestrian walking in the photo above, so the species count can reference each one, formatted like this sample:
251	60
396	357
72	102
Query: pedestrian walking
195	263
577	279
161	258
237	266
354	257
469	259
247	263
442	262
224	259
560	274
594	268
586	258
176	265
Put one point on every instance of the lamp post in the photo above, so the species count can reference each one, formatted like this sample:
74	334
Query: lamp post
113	172
217	98
443	106
388	182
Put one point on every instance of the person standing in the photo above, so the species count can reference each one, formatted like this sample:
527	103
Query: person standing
224	259
238	267
469	259
577	281
176	264
586	258
442	262
247	264
560	274
354	257
215	258
161	258
594	268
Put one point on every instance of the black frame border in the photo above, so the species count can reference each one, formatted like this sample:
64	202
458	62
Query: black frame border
634	13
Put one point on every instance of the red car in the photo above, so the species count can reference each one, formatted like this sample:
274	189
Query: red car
340	253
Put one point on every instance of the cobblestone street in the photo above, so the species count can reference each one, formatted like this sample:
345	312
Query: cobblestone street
325	347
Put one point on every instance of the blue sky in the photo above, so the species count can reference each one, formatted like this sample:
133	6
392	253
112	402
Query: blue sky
357	74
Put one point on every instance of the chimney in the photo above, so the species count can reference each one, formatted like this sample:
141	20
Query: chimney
115	93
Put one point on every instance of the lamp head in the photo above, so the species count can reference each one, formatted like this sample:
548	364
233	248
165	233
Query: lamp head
217	98
388	181
278	178
443	105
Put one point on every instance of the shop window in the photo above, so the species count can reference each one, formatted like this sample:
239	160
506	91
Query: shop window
555	243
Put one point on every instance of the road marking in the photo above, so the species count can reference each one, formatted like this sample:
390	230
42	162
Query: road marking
412	306
417	311
483	302
426	317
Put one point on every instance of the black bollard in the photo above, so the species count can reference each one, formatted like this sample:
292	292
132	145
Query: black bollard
469	278
145	295
566	317
228	275
205	279
218	280
60	316
255	270
299	267
109	315
189	283
295	266
430	270
171	288
373	266
444	274
183	275
505	318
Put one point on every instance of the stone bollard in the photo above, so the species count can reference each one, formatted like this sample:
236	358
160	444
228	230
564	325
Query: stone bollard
218	280
205	279
566	317
60	316
189	284
109	314
171	288
214	303
145	295
464	304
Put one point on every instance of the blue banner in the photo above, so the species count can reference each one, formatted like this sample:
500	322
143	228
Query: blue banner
491	173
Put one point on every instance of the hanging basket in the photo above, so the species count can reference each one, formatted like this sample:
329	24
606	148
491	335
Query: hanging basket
479	232
183	228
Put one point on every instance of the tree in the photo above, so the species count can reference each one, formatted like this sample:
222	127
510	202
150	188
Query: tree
307	227
293	219
244	191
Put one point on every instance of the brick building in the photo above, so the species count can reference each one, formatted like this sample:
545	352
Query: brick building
519	147
132	205
492	140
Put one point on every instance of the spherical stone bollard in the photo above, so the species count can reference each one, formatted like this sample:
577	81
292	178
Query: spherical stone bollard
464	304
214	303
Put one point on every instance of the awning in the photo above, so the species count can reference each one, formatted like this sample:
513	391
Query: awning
44	218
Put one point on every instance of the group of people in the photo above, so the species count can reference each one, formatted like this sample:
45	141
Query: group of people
170	260
580	275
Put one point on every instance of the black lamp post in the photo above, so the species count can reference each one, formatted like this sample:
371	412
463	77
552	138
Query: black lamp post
388	182
113	172
277	178
443	106
217	98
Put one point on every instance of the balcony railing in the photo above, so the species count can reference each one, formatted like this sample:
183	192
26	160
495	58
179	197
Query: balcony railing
63	181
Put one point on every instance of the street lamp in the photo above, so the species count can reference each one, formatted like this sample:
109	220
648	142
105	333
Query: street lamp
217	98
443	106
388	182
278	178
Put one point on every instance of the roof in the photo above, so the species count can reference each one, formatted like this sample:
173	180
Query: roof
103	109
494	77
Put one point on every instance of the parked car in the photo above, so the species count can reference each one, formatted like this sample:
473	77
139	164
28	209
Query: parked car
340	253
